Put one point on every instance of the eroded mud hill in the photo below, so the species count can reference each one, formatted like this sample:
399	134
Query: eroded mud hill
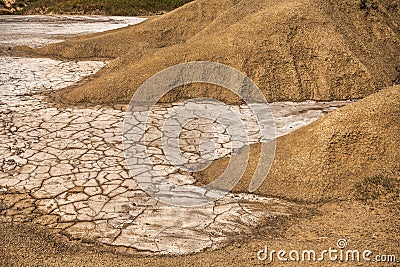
293	50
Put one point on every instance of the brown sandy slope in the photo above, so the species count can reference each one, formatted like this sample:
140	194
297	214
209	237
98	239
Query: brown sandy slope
326	159
293	50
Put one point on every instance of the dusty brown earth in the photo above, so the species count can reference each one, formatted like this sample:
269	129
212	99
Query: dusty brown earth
372	226
293	50
343	169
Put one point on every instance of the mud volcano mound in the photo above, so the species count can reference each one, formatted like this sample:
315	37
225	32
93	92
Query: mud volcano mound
293	50
328	158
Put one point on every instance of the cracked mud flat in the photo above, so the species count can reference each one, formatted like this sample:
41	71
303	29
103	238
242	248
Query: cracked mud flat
64	168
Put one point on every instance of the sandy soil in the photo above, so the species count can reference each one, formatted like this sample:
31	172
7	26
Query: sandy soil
326	159
342	171
365	226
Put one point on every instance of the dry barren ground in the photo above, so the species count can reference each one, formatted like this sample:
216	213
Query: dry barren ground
360	204
365	226
341	173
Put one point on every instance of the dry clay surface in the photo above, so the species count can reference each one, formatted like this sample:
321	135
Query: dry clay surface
64	167
293	50
373	226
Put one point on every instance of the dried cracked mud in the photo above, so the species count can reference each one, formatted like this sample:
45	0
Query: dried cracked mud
64	167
